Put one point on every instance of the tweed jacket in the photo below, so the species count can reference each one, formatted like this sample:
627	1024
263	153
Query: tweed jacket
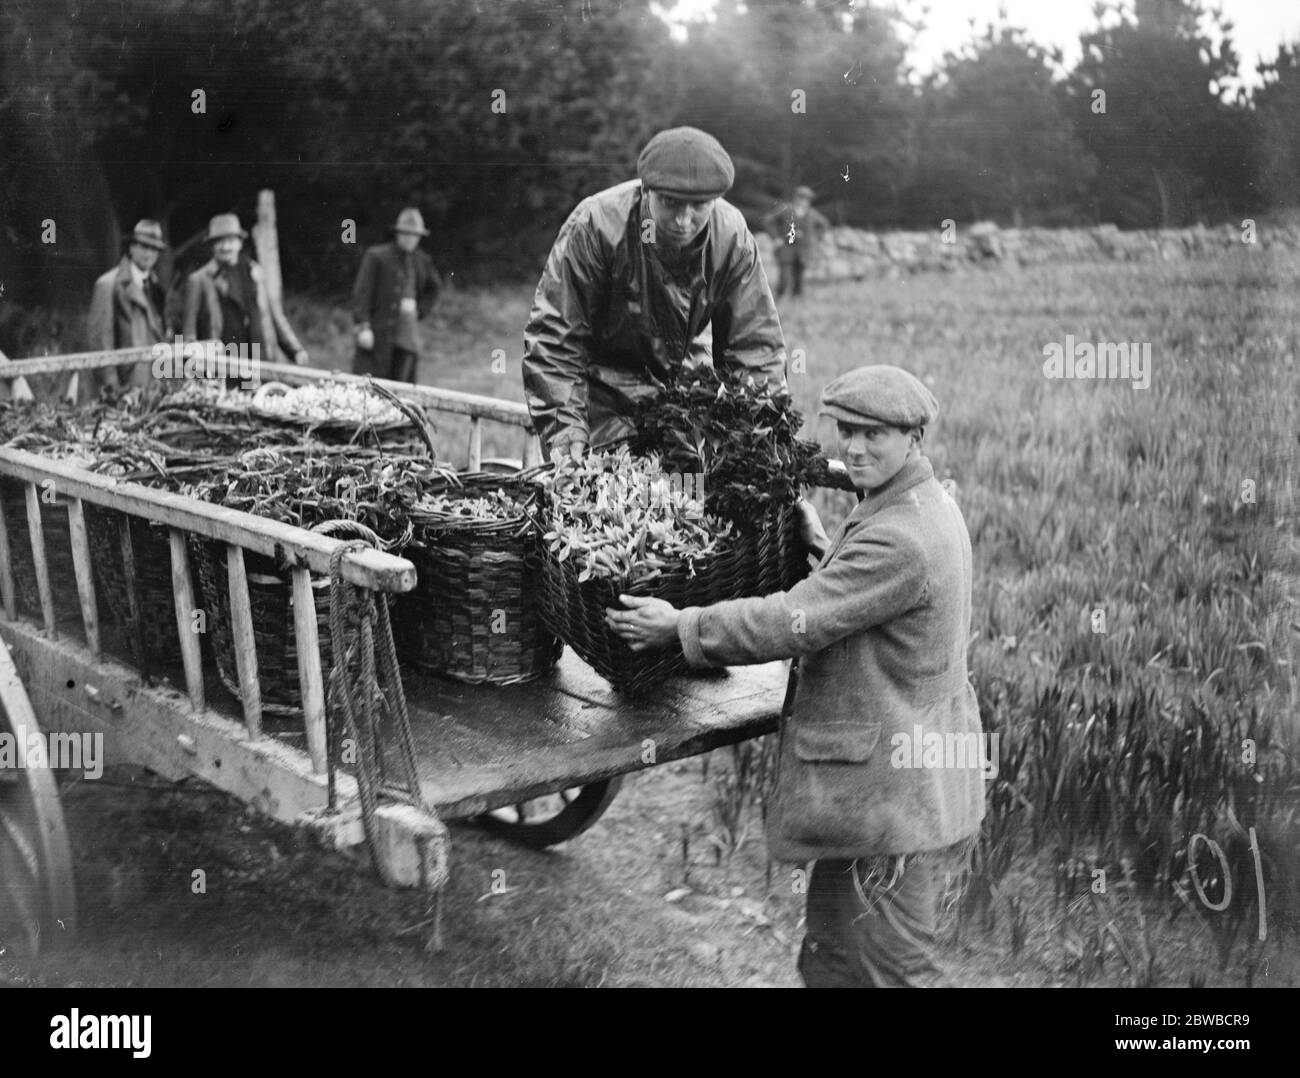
879	630
611	315
124	315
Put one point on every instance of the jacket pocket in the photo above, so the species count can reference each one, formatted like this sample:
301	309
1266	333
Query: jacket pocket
836	742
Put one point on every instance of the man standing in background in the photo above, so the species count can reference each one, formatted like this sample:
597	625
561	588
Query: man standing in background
226	298
127	310
797	229
395	287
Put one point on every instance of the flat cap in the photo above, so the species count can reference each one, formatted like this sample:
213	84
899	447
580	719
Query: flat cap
687	163
879	394
804	192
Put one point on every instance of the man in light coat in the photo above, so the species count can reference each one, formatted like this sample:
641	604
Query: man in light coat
798	231
637	274
395	288
882	760
226	298
127	310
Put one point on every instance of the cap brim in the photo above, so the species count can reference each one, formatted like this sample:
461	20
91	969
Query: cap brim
847	415
688	196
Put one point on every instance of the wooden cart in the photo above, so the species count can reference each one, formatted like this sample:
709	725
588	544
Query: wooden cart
537	762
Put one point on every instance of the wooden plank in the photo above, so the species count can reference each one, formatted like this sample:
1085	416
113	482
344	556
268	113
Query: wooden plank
476	444
6	569
307	643
36	531
148	726
85	361
183	590
367	568
81	564
245	642
470	760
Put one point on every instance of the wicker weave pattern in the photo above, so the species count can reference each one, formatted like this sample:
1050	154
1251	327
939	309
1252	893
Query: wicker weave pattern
765	559
475	614
155	604
270	592
58	553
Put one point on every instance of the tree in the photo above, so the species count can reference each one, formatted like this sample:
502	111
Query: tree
1277	116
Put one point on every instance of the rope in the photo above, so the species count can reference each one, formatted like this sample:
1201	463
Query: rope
363	700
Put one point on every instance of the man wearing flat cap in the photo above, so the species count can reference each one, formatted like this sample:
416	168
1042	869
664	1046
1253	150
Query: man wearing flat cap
798	230
878	633
395	287
637	273
226	299
127	310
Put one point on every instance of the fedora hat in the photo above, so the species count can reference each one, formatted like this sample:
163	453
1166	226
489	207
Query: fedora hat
147	233
411	220
805	192
223	225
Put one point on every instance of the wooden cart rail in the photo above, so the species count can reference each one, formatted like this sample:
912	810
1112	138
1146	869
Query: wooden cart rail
478	408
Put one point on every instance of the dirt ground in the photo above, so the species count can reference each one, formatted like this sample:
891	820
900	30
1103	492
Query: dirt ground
645	898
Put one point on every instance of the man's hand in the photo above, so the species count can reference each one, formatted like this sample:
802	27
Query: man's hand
300	357
365	338
648	623
814	536
575	450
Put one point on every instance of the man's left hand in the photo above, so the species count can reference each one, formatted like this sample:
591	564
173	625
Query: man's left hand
646	624
300	357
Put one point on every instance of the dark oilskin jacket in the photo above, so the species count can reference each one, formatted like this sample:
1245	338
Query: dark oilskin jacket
612	314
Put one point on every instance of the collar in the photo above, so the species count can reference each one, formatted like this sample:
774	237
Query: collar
139	276
909	475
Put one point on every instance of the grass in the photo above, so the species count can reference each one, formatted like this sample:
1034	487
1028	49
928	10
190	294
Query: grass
1136	552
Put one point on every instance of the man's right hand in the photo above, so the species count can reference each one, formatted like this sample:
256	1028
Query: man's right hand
574	450
365	338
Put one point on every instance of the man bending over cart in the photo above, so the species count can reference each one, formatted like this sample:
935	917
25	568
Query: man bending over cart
636	274
879	634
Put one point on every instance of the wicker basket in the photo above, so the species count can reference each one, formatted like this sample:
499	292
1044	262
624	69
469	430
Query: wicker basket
141	604
475	614
270	593
768	558
58	553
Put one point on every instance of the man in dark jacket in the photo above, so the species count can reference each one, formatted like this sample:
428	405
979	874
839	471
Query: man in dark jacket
127	310
395	288
798	230
636	274
882	762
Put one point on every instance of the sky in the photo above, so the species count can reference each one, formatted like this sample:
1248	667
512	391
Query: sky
1259	26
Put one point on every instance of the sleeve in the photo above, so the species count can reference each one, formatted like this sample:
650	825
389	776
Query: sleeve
430	285
363	290
747	333
877	576
99	320
190	317
558	338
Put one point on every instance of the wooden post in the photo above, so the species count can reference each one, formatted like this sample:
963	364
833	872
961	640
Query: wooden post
532	450
81	565
306	639
475	444
36	532
6	569
268	257
183	590
241	624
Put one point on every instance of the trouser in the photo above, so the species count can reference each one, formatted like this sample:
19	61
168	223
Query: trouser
871	923
791	277
401	366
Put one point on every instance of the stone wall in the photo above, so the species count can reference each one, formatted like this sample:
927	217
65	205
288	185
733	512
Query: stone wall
850	254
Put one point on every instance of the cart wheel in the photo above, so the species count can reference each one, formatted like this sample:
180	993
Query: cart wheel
546	821
37	900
